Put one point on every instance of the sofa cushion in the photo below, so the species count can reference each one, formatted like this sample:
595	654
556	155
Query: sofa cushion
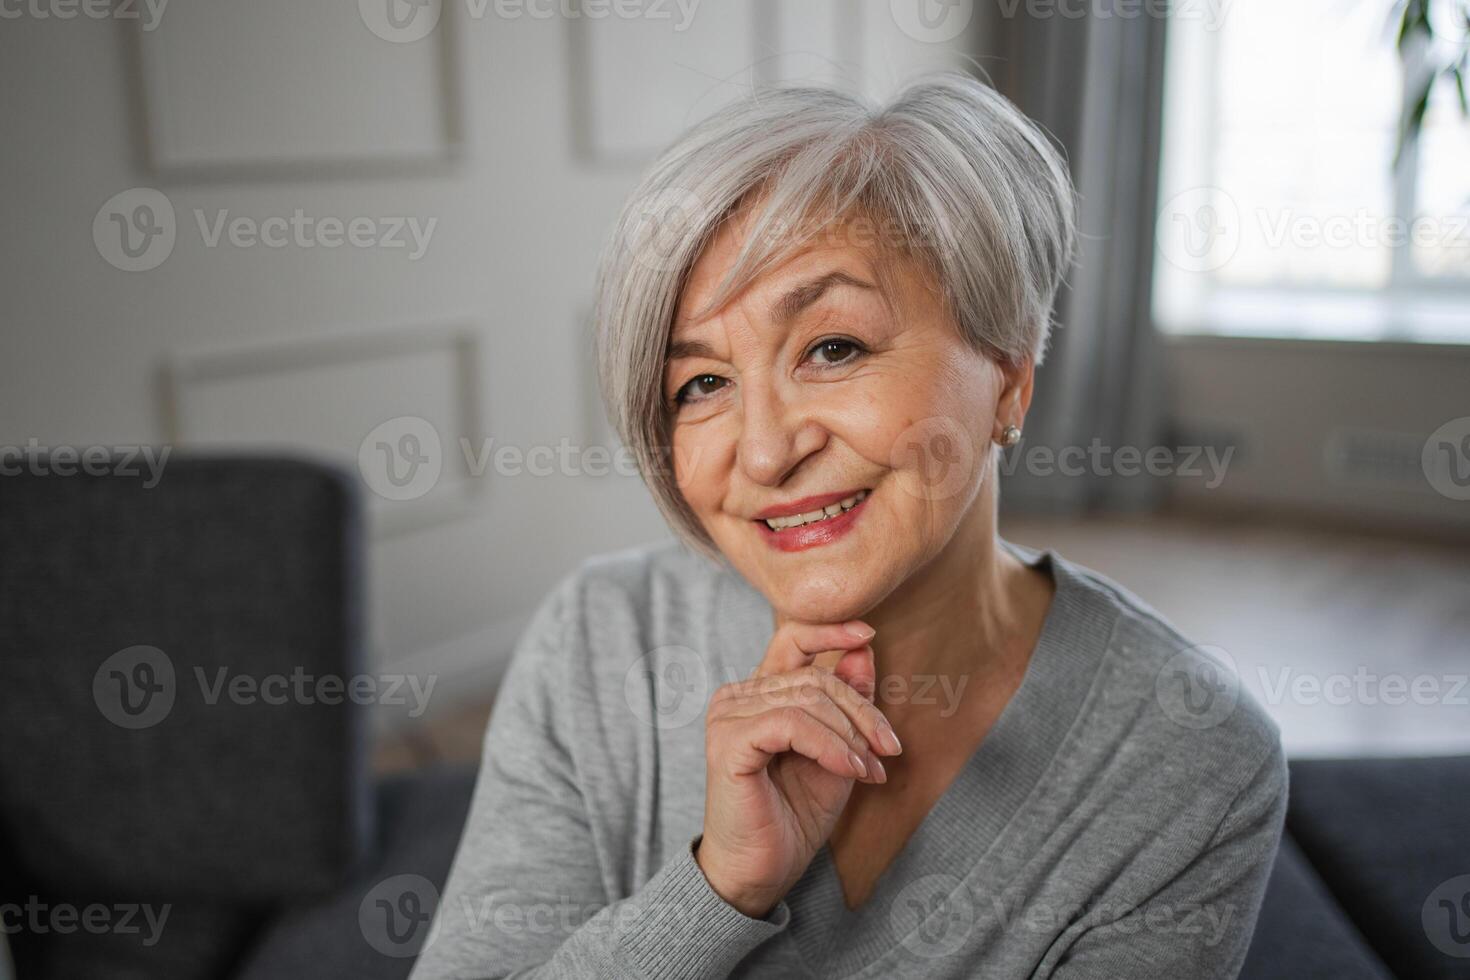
1388	837
1302	933
350	937
63	937
143	626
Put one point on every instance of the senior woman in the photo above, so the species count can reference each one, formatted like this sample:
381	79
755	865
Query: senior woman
843	729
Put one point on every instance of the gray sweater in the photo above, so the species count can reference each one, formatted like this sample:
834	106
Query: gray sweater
1118	821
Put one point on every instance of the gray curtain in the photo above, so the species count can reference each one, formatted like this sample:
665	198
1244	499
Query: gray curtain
1096	84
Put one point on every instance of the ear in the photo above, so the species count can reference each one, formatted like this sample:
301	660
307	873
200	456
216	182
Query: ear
1015	393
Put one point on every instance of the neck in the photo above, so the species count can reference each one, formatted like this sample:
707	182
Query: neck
970	615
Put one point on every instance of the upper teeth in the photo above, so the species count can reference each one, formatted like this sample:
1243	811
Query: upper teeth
831	510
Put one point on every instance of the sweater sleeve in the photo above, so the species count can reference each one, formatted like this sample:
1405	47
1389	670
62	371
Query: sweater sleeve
526	895
1200	924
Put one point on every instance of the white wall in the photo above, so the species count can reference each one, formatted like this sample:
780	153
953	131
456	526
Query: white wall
1334	432
520	217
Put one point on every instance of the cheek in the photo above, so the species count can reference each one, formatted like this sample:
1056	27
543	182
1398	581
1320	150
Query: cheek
685	452
921	420
700	455
931	430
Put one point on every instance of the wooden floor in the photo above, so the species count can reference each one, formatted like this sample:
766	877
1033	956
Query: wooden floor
1358	644
1323	626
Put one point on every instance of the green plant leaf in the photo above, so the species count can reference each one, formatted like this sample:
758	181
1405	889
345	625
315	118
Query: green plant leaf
1415	20
1413	122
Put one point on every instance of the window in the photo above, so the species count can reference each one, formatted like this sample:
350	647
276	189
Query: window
1281	211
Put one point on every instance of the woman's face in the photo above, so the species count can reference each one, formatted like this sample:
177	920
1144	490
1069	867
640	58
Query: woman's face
820	388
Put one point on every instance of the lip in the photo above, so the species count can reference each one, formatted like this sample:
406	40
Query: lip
811	535
806	504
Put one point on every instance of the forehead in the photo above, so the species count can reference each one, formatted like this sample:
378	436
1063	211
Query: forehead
844	246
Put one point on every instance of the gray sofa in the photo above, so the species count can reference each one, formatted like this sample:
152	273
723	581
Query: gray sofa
257	824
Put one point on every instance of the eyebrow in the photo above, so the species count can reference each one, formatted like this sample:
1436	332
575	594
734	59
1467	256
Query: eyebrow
797	299
690	348
784	310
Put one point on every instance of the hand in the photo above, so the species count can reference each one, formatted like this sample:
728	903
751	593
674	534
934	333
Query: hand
782	750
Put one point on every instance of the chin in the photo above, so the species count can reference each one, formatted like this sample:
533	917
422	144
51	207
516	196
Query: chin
828	584
824	596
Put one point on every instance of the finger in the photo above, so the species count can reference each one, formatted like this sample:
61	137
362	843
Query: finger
818	704
834	700
853	694
766	735
858	669
795	644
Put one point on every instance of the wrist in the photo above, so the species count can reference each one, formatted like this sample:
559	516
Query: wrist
756	903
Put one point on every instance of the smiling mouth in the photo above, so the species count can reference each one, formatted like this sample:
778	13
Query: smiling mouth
817	516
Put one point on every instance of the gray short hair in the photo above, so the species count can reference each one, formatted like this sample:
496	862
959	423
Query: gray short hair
953	172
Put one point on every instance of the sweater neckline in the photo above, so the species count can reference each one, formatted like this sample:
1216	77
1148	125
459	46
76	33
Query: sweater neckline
916	902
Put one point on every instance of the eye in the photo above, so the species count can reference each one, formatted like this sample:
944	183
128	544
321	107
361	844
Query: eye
834	351
699	388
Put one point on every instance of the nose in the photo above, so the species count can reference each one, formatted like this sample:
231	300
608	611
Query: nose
776	434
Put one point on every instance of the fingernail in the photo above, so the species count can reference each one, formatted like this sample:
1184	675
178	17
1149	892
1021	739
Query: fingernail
882	773
860	630
858	764
889	738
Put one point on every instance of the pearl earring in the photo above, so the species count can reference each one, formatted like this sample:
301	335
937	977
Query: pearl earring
1010	436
